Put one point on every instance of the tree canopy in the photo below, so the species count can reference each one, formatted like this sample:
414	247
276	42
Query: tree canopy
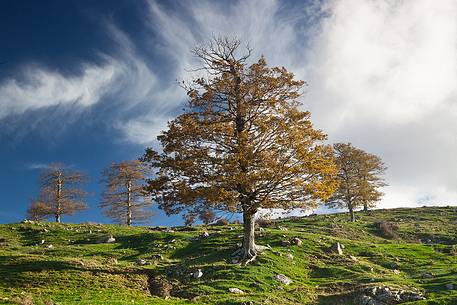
360	179
242	144
60	193
124	199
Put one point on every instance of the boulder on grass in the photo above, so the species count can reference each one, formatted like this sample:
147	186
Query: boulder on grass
236	290
336	248
283	279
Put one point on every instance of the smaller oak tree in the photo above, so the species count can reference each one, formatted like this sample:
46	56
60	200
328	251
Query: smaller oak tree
124	199
360	178
207	217
60	193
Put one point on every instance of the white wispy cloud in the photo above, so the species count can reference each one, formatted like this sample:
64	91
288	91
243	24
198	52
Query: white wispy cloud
33	166
41	87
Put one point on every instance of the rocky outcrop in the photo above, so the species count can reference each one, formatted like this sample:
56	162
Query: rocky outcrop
385	296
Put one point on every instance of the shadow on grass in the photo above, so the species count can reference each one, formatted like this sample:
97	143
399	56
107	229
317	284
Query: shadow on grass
13	270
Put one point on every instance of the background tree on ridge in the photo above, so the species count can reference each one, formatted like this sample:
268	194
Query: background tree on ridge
360	178
124	199
60	193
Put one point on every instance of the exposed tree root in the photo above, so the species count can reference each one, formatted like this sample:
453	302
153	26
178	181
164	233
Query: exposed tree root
250	255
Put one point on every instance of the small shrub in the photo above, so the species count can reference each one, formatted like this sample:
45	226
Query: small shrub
25	300
221	222
207	217
387	229
265	223
453	250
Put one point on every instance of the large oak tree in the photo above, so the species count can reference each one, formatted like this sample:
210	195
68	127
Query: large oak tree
360	176
242	143
61	193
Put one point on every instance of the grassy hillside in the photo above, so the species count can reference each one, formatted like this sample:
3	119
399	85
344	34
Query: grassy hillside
77	269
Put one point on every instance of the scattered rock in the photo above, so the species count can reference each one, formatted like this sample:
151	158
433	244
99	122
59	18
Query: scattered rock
290	256
49	247
236	291
394	266
42	242
157	257
336	248
283	228
450	286
142	262
107	240
197	274
235	261
427	275
296	241
285	243
396	271
283	279
353	258
204	235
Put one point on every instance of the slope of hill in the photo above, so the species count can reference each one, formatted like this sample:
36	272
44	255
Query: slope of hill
47	263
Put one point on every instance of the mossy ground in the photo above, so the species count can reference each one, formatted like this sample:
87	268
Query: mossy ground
78	270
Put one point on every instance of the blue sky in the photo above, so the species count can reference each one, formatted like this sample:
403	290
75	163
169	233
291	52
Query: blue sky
87	83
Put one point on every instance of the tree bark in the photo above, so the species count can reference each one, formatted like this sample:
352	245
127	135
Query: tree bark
59	197
129	203
351	212
365	207
249	248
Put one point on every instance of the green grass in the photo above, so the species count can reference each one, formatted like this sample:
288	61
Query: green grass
78	270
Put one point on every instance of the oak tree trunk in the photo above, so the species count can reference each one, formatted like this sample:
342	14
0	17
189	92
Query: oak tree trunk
249	248
351	212
58	198
129	203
